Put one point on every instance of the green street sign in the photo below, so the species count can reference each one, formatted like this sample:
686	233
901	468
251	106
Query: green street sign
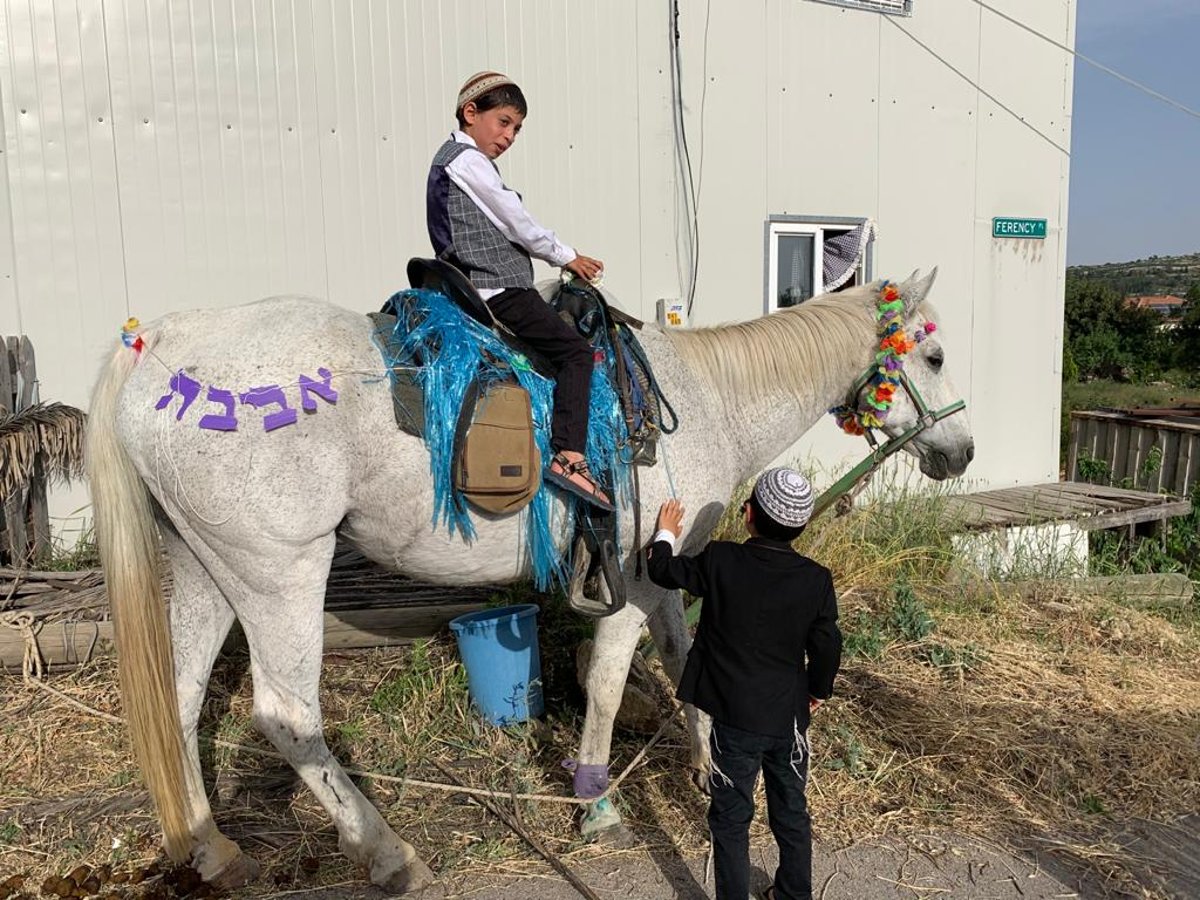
1019	228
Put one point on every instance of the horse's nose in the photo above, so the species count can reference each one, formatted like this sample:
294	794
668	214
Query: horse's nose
970	451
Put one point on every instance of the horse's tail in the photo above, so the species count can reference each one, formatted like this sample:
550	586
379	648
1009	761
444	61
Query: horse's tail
129	551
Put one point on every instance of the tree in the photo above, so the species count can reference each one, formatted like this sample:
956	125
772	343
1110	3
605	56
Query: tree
1108	339
1187	335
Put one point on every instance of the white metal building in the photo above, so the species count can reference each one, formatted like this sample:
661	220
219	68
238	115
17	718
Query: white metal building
166	155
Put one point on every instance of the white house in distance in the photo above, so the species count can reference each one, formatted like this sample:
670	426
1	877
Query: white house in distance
159	157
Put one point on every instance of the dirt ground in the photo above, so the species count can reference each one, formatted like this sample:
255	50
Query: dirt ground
937	865
943	866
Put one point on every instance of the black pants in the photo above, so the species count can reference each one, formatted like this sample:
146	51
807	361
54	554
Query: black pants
737	756
529	317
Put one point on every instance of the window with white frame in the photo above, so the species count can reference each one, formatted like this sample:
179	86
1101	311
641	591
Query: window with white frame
807	256
892	7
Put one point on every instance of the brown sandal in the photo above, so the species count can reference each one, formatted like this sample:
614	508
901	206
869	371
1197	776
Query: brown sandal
591	492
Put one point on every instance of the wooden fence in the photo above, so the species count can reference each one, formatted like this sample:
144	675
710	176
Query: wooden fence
1151	454
26	526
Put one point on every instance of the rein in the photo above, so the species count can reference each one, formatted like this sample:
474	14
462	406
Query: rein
872	394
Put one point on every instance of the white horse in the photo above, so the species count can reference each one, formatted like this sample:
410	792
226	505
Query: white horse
248	515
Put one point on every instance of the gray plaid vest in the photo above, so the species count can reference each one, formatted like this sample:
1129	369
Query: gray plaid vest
462	233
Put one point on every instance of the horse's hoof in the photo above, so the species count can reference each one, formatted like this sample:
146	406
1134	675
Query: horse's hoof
409	878
600	817
240	872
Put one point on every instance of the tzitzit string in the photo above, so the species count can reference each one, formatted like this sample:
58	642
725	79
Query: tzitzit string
875	399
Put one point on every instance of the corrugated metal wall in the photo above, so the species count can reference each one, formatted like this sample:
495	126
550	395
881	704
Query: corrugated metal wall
170	155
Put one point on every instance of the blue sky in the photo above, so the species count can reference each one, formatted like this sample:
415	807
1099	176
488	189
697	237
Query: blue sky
1135	162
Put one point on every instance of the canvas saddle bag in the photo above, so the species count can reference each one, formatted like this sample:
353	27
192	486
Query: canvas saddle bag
497	467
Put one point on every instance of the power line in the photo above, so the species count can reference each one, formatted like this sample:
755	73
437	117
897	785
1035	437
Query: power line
1091	62
949	65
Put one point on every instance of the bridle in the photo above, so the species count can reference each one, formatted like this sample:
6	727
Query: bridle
858	415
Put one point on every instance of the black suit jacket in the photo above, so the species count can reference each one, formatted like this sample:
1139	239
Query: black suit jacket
766	608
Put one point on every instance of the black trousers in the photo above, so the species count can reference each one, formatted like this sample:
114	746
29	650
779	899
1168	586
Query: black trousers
737	756
529	317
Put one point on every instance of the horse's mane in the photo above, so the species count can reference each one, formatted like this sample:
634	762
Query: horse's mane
756	358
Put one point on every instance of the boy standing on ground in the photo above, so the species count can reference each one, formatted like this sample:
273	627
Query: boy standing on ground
766	608
483	228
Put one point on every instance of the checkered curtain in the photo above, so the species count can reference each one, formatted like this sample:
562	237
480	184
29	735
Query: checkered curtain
842	254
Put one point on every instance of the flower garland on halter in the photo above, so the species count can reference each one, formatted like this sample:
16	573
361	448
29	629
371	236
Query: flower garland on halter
877	395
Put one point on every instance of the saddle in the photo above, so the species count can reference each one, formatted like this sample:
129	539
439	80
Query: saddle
497	467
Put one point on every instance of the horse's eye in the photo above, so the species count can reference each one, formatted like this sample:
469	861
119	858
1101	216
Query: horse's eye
936	359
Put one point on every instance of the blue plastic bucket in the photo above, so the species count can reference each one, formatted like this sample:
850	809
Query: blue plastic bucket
499	649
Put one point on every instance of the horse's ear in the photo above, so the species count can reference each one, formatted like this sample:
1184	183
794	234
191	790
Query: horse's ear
915	289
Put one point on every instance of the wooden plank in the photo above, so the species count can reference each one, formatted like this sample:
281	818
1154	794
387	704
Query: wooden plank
388	627
27	383
1157	482
1064	503
39	575
1080	503
1140	442
1090	506
1093	442
71	644
1182	463
1134	516
1067	502
960	512
1120	452
1093	437
1173	423
1171	442
1107	492
1140	591
1074	443
967	504
8	390
1055	494
61	644
12	347
1020	509
1047	499
1108	449
1184	469
17	544
38	522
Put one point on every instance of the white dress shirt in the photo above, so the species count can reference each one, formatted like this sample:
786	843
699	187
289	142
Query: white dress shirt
665	534
477	177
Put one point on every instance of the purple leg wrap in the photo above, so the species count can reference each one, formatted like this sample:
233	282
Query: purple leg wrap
590	780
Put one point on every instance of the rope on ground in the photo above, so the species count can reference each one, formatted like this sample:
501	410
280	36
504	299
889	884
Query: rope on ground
32	666
457	788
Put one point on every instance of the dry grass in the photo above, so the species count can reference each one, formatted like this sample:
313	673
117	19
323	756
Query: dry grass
1041	722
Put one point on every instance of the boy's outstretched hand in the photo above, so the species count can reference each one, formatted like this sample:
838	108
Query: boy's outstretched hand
585	267
670	517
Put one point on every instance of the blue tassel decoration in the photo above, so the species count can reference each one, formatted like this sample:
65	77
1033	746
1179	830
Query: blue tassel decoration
449	350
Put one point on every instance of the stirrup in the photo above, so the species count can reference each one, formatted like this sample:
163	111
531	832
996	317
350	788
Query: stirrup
603	560
563	480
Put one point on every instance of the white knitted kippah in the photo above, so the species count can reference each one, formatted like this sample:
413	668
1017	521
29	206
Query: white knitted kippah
479	84
786	496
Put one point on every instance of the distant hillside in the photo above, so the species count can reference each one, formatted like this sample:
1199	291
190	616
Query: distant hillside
1156	275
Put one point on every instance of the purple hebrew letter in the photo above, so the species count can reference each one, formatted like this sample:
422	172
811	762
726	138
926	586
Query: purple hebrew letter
308	387
265	396
227	422
187	388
